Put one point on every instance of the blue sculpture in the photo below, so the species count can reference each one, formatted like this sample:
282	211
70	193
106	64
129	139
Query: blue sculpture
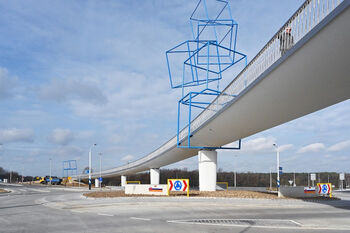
202	60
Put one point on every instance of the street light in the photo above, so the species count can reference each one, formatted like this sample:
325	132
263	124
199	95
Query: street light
90	165
278	170
100	180
235	172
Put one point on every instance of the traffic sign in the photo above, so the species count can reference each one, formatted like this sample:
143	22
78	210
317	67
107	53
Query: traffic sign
179	185
312	176
325	189
100	179
341	176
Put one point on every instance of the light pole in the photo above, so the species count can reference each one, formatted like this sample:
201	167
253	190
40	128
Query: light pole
100	180
270	180
278	170
90	165
50	170
235	171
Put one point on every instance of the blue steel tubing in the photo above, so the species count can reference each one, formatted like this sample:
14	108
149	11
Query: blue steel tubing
189	54
178	122
213	66
189	122
234	45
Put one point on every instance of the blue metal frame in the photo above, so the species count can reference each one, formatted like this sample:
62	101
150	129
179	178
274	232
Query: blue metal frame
69	166
206	57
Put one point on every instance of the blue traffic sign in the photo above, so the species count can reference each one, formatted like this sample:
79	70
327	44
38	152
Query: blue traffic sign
178	185
100	179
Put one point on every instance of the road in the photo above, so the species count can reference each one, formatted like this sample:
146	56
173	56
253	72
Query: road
51	209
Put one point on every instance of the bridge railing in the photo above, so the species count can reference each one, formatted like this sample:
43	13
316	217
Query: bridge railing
303	21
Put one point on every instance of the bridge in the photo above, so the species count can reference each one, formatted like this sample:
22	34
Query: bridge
274	88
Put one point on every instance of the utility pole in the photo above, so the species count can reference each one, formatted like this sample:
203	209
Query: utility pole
294	184
235	171
100	180
270	180
90	165
278	170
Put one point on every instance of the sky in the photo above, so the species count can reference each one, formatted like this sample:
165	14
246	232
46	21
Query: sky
75	73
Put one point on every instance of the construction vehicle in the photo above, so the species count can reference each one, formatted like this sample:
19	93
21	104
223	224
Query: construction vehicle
54	180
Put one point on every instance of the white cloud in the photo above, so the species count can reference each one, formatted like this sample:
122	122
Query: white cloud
261	144
339	146
62	90
315	147
61	136
7	83
127	158
285	147
16	135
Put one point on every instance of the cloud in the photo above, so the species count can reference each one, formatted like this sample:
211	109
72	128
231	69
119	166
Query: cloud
61	136
261	144
69	151
16	135
63	90
285	147
339	146
127	158
315	147
7	84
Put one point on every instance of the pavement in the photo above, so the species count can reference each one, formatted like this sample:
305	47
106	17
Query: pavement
55	209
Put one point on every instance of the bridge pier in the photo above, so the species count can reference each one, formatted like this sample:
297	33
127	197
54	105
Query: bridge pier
154	175
123	181
207	160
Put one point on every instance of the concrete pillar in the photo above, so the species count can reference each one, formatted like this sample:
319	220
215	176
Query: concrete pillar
123	181
207	160
154	175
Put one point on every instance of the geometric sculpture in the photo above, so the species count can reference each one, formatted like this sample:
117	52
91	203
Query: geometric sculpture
202	60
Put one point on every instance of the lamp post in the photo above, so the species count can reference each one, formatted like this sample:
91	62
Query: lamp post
235	171
278	170
100	154
90	165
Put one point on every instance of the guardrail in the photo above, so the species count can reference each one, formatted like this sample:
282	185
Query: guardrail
303	21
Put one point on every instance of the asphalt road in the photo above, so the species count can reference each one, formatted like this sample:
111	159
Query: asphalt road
50	209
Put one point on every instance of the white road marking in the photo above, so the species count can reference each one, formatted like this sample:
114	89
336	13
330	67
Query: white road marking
301	227
142	219
39	190
102	214
295	222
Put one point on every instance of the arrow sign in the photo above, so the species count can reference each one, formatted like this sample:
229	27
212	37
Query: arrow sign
179	185
185	185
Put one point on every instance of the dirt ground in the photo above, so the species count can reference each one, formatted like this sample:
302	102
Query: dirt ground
229	193
3	191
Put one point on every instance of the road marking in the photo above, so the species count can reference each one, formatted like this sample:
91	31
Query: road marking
102	214
301	227
295	222
76	211
39	190
142	219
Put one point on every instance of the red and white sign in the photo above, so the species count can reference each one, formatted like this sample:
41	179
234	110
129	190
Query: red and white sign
324	188
178	185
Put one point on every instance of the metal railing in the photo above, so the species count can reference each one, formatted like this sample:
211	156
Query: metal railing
303	21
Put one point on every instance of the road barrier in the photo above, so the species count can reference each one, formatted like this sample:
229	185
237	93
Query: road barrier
146	189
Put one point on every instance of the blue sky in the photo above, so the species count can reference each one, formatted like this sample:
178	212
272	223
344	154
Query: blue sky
74	73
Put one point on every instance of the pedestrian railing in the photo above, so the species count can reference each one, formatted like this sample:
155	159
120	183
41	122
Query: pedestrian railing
311	13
